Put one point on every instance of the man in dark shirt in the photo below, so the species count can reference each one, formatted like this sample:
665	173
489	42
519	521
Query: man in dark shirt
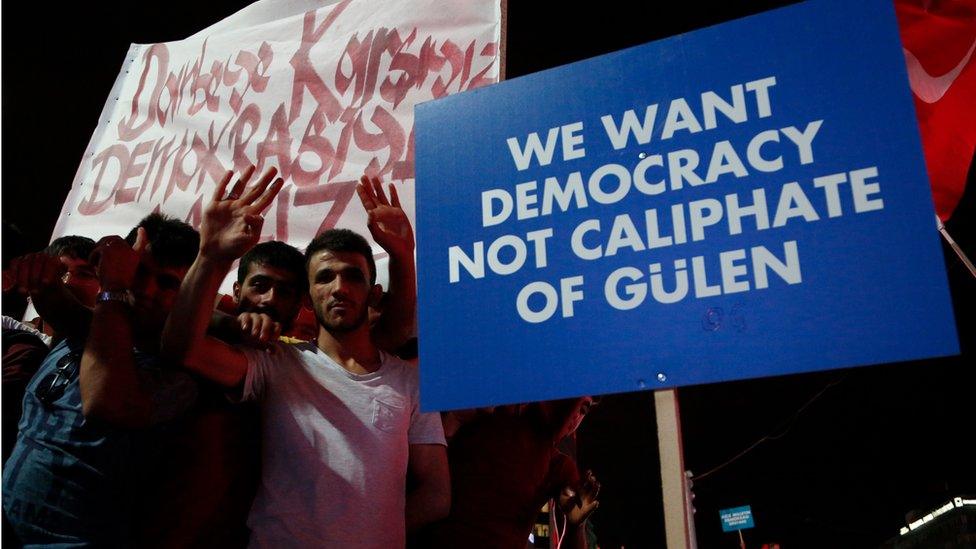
214	463
504	468
90	414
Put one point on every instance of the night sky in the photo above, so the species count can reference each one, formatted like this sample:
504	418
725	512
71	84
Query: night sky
875	444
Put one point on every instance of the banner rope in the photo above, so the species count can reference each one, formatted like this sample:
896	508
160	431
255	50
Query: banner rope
785	428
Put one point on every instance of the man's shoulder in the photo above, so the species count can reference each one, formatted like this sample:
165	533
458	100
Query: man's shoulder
394	365
400	375
303	350
283	349
285	354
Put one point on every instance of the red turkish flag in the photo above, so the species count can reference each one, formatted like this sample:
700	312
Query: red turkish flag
939	40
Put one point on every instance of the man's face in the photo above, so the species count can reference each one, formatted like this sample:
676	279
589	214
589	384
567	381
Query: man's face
340	290
80	279
579	412
155	289
269	290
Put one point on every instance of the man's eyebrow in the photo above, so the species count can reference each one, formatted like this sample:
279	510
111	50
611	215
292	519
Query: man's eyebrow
354	269
346	269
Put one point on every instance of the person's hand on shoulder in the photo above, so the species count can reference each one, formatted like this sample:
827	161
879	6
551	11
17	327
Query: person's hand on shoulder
258	330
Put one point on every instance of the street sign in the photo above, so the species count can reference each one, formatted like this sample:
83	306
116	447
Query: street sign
737	518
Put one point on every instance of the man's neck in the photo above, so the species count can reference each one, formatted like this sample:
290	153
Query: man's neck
352	350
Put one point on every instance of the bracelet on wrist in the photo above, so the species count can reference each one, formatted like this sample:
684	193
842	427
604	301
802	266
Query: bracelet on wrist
120	296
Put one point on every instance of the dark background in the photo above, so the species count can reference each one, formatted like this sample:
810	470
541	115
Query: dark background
875	444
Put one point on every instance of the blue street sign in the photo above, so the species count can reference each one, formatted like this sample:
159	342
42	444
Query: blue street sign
737	518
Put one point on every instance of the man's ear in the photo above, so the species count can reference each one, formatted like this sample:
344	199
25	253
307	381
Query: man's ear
237	292
375	296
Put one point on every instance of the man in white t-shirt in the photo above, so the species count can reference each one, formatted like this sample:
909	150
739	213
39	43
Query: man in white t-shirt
341	424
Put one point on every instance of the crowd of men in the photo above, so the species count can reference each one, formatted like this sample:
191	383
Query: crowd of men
144	415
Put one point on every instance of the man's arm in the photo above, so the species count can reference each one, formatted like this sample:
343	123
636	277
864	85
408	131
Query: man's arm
108	379
229	228
39	275
391	229
430	498
254	329
185	340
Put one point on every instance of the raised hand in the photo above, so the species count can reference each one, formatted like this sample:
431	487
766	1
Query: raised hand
579	506
232	224
388	222
33	273
258	329
116	262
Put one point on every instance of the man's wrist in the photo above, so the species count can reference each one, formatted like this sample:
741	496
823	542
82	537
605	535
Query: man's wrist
401	252
210	261
114	286
208	271
115	296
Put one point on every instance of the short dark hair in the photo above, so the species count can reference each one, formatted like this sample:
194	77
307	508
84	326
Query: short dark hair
275	253
342	240
76	246
172	242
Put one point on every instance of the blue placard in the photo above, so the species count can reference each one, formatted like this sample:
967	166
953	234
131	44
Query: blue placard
737	518
741	201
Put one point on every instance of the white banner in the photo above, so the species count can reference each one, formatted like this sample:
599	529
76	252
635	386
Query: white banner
323	95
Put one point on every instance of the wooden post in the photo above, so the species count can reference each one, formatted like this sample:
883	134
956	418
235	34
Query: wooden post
679	522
